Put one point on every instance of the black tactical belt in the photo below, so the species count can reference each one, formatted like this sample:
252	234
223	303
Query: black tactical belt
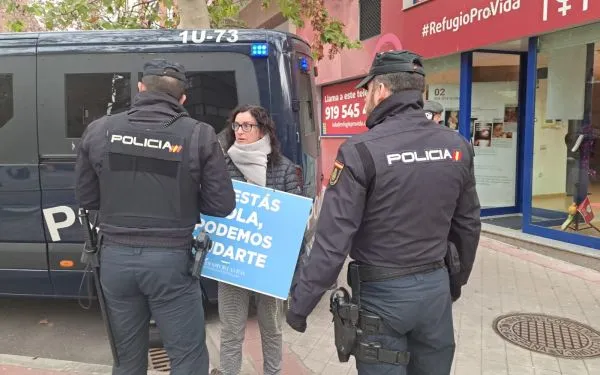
373	353
376	273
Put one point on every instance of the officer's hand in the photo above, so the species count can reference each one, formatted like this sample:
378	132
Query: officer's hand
455	289
297	322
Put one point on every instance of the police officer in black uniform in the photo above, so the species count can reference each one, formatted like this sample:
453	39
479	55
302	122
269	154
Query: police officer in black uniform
150	172
400	197
433	111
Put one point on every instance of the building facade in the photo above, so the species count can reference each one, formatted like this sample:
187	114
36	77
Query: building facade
519	78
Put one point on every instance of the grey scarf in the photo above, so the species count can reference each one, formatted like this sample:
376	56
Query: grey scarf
251	159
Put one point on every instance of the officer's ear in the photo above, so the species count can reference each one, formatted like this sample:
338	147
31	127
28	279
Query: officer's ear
141	87
381	92
182	99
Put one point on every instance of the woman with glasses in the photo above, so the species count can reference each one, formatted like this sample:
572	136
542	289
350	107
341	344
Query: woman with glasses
253	155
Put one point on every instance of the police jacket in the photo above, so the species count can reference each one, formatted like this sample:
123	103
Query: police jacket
281	175
150	175
397	194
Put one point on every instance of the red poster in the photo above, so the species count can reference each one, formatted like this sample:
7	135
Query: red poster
585	209
444	27
342	109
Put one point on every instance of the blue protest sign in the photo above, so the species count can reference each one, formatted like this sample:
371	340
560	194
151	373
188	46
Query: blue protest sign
256	247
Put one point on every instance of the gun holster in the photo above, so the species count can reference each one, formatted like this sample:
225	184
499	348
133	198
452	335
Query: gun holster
452	260
352	325
345	322
201	246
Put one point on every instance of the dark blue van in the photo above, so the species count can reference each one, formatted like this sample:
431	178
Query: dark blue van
52	85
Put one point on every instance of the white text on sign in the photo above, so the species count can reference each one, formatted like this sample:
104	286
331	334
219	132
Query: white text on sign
201	36
332	112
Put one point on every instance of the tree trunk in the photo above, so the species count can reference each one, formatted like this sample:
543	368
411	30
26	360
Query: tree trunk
193	14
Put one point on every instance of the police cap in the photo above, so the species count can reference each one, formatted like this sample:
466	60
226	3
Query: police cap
393	62
433	107
162	67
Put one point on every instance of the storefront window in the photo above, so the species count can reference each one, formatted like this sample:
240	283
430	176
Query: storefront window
443	86
566	154
495	127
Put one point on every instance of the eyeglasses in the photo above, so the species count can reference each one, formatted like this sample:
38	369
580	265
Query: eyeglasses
245	127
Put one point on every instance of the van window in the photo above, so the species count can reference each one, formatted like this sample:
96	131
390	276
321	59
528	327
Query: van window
6	98
307	118
18	115
102	83
211	96
90	96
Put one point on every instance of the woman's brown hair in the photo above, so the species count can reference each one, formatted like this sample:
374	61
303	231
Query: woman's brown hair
265	123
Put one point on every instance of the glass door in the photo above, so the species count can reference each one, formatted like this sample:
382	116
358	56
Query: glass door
565	183
494	127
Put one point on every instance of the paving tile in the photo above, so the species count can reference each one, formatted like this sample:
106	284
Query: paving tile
569	366
546	372
465	367
545	362
520	370
505	279
292	365
16	370
315	366
593	366
336	369
491	367
322	353
301	351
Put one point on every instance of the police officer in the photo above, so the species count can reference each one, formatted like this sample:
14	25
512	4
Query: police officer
433	111
400	196
150	172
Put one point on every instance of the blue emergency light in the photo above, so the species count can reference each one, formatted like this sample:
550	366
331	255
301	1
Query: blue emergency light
304	66
259	50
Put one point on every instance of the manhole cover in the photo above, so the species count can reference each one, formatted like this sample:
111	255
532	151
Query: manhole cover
159	360
559	337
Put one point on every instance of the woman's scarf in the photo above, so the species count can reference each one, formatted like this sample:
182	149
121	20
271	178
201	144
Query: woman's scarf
251	159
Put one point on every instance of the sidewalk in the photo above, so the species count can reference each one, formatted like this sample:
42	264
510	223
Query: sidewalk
505	279
20	365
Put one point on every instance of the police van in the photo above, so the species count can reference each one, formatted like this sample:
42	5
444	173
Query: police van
53	84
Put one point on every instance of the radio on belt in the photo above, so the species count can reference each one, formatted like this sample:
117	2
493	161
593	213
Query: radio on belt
202	244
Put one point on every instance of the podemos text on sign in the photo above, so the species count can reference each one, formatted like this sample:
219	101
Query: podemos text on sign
256	247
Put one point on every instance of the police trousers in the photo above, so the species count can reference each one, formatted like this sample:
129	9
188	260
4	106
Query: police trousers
142	282
416	311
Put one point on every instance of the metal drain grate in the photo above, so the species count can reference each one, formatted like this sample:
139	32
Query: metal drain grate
555	336
159	360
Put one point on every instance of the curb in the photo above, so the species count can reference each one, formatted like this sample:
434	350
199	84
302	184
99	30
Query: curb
546	261
530	241
59	365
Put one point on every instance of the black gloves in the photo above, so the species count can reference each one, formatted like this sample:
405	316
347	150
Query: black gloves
455	289
297	322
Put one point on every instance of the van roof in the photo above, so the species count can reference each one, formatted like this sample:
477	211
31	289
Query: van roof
141	36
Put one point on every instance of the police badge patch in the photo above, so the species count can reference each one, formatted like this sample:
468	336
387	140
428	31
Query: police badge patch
336	172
